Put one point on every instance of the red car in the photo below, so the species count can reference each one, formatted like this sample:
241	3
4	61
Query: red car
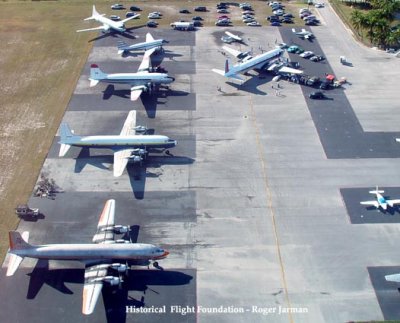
223	17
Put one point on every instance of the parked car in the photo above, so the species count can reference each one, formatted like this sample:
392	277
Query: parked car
311	23
275	23
197	23
115	18
317	58
201	9
151	24
134	8
223	10
309	17
273	18
222	6
130	14
304	10
247	12
295	49
225	20
317	95
154	15
304	14
117	6
319	5
222	23
313	81
278	12
247	20
271	3
307	54
184	11
253	24
197	18
288	15
325	85
287	20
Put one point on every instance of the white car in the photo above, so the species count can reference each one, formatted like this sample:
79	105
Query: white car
248	20
222	11
253	23
319	5
248	12
272	3
309	17
278	12
307	54
115	18
153	15
117	6
304	10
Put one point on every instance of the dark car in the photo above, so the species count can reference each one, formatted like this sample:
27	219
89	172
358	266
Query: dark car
222	6
201	9
151	24
317	95
313	81
222	23
324	85
317	58
197	23
288	15
287	20
197	18
273	18
130	14
275	23
184	11
134	8
311	23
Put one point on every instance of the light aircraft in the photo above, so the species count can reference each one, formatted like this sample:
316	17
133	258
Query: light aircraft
230	38
304	33
106	259
126	146
150	44
380	200
141	81
248	62
108	24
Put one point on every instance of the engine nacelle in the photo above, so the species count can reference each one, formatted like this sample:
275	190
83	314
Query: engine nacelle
121	241
119	229
111	280
121	268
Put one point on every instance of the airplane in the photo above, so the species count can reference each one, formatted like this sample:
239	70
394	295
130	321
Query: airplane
304	33
141	81
126	146
108	24
248	62
106	259
149	44
230	38
393	278
380	200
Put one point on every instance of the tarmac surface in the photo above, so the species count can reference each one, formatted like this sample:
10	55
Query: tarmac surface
256	204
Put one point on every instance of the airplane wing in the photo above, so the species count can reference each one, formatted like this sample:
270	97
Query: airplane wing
136	91
145	65
92	287
373	203
132	17
121	158
393	202
290	70
149	37
91	29
303	30
232	51
128	128
233	36
105	227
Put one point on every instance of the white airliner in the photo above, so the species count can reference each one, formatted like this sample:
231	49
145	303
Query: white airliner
126	146
106	259
380	200
141	81
150	44
108	24
304	33
248	62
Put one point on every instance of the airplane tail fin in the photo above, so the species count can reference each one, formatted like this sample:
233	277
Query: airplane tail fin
376	191
17	242
66	135
96	75
94	14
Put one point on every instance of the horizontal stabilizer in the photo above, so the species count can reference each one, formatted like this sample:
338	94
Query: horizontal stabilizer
393	278
220	72
377	192
93	82
63	150
13	264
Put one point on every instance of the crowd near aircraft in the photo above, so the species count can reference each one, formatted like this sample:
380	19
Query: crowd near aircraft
248	62
141	81
304	33
106	259
380	200
150	44
108	24
126	146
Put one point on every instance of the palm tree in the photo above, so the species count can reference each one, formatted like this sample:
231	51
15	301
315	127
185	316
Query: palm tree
357	20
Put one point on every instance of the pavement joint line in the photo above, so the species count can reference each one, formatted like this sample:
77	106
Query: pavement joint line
269	202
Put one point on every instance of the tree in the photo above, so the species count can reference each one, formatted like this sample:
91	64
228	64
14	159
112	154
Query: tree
357	20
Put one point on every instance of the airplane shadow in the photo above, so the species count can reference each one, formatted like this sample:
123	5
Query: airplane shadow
115	299
32	218
251	85
85	158
389	211
115	34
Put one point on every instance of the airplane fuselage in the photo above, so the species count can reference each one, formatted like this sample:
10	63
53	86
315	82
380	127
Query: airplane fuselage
121	142
126	251
116	25
136	78
144	46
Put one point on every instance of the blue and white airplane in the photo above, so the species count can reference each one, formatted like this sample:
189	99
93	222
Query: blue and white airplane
248	62
150	44
141	81
108	24
126	146
380	200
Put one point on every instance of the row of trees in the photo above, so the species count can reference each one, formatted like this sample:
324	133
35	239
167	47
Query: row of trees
376	22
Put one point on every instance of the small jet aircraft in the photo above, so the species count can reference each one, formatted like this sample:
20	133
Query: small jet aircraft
380	200
304	33
248	62
126	146
150	44
141	81
108	24
230	38
106	259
